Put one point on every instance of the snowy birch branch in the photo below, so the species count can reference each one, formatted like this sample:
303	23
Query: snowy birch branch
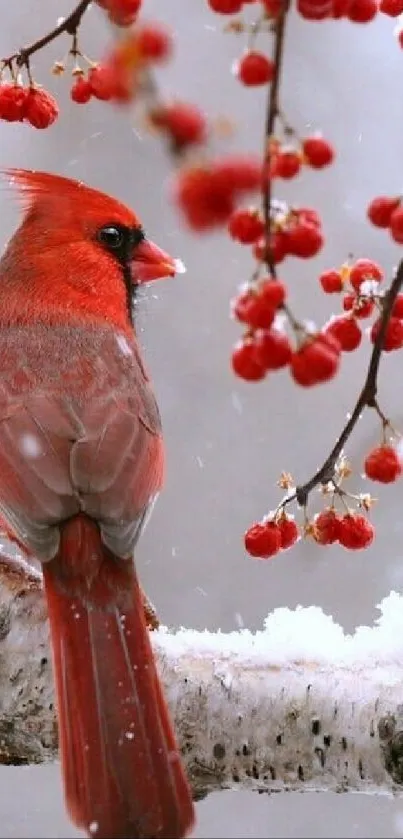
299	705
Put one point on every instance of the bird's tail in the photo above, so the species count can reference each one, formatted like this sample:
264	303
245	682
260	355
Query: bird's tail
123	775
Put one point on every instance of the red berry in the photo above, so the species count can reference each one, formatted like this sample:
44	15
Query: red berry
251	308
396	225
306	214
316	361
400	38
288	532
346	331
365	270
392	8
121	12
326	527
246	226
304	240
362	11
245	362
186	124
102	82
240	173
13	98
204	202
383	464
362	307
314	9
263	539
318	152
340	8
206	194
380	210
355	532
393	339
81	91
397	308
126	7
331	282
329	341
118	81
273	292
154	42
286	164
225	7
278	247
241	305
254	69
273	349
272	8
41	109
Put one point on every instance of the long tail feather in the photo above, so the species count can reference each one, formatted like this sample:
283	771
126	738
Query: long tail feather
123	774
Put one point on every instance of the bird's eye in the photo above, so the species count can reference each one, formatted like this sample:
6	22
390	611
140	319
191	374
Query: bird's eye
110	236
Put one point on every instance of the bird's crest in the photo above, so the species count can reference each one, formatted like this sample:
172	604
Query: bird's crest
34	188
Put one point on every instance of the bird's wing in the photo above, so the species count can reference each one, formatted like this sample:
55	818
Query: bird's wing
79	431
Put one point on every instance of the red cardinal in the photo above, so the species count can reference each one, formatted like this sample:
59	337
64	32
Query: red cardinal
81	462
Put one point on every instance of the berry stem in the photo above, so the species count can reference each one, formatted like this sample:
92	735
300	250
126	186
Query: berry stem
366	399
273	111
70	25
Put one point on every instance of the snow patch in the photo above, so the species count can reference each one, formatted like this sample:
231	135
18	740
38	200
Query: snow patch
30	446
180	267
297	637
123	345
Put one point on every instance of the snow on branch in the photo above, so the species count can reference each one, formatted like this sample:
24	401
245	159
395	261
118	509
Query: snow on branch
298	705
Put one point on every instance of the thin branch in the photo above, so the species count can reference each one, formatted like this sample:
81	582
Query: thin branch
69	25
273	110
366	398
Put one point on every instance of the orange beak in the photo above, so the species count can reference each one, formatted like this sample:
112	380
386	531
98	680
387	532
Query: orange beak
151	263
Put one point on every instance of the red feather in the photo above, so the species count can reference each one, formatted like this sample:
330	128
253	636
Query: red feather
122	770
42	188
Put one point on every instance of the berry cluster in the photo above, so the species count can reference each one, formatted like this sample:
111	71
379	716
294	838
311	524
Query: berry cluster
32	104
268	537
273	337
266	347
360	302
119	78
357	11
286	160
349	528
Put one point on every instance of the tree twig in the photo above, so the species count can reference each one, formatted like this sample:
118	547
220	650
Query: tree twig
69	25
366	398
272	113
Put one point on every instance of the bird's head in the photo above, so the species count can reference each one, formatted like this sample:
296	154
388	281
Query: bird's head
84	240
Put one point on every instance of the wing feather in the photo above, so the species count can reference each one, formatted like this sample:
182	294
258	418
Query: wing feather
88	442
